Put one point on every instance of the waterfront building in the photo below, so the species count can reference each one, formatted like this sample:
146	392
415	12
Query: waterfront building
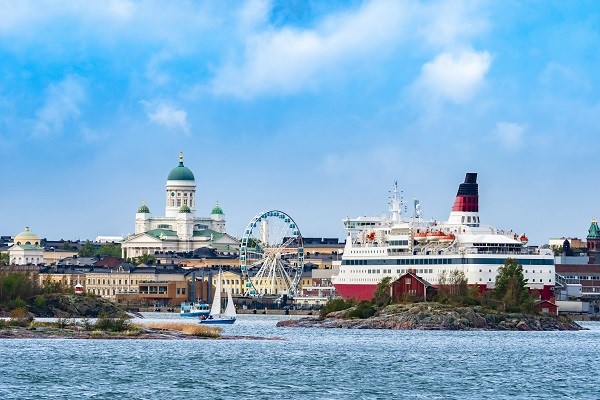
65	276
179	230
26	249
127	278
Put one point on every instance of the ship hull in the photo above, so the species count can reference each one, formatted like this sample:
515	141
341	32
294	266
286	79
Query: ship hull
355	291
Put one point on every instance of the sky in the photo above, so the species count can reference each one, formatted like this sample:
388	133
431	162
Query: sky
313	108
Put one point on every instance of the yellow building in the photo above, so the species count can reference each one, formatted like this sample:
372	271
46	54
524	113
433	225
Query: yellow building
108	282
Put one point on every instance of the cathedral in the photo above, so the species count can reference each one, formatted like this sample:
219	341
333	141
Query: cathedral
179	230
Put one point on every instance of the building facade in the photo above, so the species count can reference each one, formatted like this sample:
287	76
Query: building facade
179	230
26	249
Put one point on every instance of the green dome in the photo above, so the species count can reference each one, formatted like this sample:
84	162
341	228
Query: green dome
143	208
185	209
180	172
217	210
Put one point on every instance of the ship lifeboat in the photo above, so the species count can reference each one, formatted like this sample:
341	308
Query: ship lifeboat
447	238
420	236
523	239
370	235
434	236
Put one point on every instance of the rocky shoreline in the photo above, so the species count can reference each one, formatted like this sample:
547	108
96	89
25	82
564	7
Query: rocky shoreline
142	333
434	316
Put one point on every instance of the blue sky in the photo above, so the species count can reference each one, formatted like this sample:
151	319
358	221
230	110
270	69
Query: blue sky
311	107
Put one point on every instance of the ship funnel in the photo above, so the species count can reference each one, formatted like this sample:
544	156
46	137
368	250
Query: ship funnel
467	198
465	210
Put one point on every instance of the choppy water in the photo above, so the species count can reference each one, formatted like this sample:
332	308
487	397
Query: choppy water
310	363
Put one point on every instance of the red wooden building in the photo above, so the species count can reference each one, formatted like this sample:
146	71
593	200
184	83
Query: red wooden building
411	286
546	307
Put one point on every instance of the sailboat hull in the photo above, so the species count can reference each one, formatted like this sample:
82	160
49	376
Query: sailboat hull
228	321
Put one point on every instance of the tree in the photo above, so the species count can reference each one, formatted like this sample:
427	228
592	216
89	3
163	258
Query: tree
452	287
144	259
511	286
382	296
4	258
109	249
67	246
87	250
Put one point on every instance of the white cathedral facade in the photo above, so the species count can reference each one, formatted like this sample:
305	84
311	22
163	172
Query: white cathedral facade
179	230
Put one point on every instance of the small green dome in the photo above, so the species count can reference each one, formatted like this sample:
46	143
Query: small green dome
143	208
180	172
185	209
217	210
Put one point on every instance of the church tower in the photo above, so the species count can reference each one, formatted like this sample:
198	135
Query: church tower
142	219
180	190
593	238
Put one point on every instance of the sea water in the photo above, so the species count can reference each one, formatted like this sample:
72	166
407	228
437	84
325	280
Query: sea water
309	363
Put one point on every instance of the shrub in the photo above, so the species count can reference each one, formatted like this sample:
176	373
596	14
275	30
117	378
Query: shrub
20	317
17	303
112	324
362	310
338	304
39	301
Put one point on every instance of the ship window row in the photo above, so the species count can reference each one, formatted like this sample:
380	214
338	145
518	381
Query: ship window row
398	243
435	261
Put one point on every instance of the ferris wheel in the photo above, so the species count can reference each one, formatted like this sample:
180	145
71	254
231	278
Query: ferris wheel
272	255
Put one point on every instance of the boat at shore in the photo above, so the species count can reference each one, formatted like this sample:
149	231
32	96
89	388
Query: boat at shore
194	309
392	245
215	316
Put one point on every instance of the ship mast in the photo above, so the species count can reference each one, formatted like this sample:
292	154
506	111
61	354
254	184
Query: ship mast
396	205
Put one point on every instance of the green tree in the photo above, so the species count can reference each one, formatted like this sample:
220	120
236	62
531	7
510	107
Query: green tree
4	258
452	287
87	250
144	259
67	246
109	249
511	286
382	296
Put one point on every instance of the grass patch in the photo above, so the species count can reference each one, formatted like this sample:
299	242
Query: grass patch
188	329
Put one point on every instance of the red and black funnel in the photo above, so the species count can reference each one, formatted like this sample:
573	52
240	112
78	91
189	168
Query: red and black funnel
467	198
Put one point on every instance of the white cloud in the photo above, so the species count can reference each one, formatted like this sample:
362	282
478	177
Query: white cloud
253	14
509	135
454	77
63	102
289	60
452	23
170	117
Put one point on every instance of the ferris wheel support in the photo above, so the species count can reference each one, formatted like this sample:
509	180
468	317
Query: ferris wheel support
272	255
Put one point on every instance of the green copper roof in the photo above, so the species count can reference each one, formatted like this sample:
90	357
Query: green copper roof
217	209
185	209
594	231
143	208
27	234
180	172
159	233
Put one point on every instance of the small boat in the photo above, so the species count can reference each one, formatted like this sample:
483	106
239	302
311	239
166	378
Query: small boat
192	309
215	316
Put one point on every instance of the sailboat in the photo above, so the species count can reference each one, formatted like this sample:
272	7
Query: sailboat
215	316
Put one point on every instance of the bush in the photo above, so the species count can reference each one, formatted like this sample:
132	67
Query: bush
17	304
338	304
20	317
39	301
362	310
112	324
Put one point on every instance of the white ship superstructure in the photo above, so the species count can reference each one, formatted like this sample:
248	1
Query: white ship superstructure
377	247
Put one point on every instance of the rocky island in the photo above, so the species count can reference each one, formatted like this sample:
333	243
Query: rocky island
436	316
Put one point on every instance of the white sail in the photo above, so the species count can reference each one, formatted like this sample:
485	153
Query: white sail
215	309
230	309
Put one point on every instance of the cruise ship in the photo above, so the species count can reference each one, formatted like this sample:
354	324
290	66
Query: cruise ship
378	247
